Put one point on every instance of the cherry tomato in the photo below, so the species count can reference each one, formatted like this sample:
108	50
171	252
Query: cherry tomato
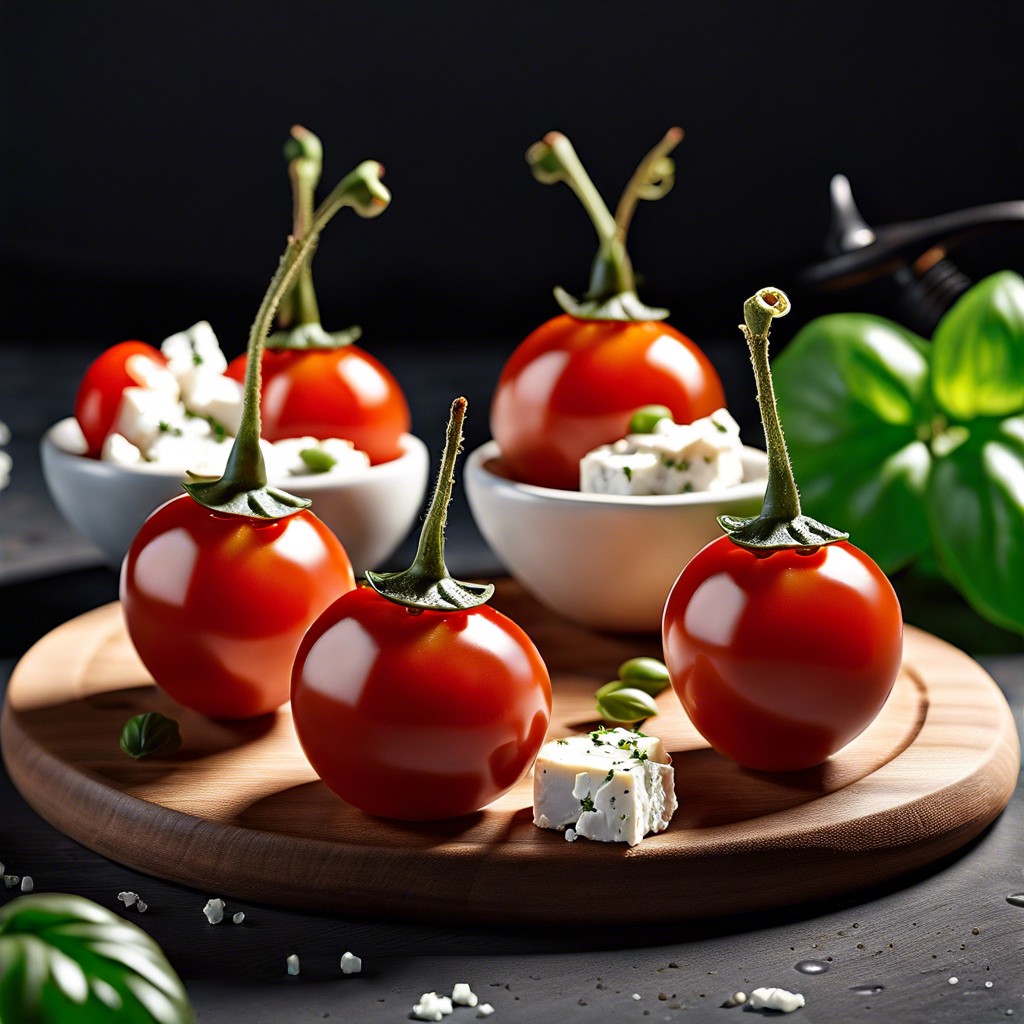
341	392
99	394
216	604
782	659
418	714
573	384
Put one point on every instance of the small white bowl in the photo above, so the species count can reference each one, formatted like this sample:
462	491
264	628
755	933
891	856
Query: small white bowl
605	561
371	512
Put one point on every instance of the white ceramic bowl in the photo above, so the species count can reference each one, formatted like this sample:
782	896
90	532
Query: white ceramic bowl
605	561
371	512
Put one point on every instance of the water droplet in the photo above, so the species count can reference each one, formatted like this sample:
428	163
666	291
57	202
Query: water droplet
867	990
1016	898
811	967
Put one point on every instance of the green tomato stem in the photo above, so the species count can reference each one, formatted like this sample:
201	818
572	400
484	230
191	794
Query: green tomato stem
242	489
427	584
304	153
612	291
780	524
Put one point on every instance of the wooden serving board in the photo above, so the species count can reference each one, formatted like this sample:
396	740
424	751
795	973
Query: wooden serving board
238	812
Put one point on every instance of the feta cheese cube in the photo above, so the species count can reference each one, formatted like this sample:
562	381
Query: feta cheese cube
194	349
432	1007
117	448
215	398
612	785
144	414
463	995
351	964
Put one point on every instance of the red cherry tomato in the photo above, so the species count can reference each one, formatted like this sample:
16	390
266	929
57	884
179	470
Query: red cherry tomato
216	604
418	716
573	384
99	394
341	392
780	660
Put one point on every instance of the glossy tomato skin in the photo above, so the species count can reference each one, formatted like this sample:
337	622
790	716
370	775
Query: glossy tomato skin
573	384
99	393
782	660
418	716
216	604
342	392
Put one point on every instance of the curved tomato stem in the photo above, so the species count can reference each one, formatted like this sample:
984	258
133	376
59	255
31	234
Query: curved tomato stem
298	316
242	489
780	524
427	584
612	292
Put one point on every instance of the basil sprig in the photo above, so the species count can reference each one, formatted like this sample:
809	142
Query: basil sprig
915	448
67	960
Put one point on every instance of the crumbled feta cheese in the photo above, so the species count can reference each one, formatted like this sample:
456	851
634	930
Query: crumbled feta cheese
216	398
144	414
675	458
613	785
127	898
27	885
196	348
141	906
147	374
463	995
293	964
117	448
238	918
334	455
432	1007
775	999
350	963
570	835
214	911
484	1010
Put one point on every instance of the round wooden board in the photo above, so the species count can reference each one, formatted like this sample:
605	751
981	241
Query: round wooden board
238	812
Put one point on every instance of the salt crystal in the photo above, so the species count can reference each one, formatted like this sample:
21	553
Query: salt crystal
463	995
141	906
11	880
484	1010
636	995
127	898
214	911
27	885
293	965
954	980
350	963
238	918
776	999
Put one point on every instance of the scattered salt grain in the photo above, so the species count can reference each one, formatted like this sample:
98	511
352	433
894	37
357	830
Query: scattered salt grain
214	911
350	963
141	906
736	999
954	980
127	898
11	880
988	984
293	965
776	999
636	995
484	1010
238	918
27	885
463	995
570	835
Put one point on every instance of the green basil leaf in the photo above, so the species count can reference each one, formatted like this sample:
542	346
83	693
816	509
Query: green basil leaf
150	733
67	960
978	358
976	506
854	399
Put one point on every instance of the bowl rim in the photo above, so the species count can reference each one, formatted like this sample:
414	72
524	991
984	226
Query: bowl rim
476	468
56	437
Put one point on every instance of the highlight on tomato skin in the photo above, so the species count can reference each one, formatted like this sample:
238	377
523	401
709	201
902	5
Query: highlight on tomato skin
780	661
573	384
342	392
418	716
216	605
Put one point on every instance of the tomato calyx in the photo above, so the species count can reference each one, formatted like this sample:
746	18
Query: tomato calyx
781	523
427	585
242	489
298	317
612	292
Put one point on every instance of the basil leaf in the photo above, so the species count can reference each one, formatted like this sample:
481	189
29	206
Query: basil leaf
976	505
978	357
854	398
150	733
66	959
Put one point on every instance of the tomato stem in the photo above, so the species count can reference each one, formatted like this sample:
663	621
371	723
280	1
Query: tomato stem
305	157
427	584
612	291
781	523
242	489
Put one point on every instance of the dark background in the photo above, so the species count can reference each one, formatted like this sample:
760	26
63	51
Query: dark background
143	185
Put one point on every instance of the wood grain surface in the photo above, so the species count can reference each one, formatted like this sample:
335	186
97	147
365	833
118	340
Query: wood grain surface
238	812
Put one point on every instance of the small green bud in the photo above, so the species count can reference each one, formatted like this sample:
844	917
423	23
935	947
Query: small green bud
626	705
646	417
647	674
317	460
150	733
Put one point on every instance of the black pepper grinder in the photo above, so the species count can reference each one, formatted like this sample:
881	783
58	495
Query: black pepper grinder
912	254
